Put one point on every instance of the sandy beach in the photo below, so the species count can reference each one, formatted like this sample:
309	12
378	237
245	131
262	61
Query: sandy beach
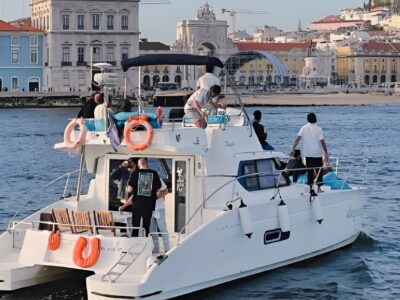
316	99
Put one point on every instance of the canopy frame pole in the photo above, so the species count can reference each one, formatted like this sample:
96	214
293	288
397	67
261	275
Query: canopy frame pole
80	176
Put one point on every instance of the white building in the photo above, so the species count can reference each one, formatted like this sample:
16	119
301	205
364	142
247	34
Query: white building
81	31
318	69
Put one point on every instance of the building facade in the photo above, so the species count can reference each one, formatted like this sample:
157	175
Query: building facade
83	32
21	58
369	63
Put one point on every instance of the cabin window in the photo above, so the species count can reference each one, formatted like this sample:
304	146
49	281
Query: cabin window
266	175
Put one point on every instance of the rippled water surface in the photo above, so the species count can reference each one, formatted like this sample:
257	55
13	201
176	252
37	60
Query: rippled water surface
369	269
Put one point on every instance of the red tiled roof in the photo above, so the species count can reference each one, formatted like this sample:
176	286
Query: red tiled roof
376	46
4	26
334	19
252	46
26	27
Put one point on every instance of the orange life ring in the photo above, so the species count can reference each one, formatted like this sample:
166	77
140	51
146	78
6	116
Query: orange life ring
127	135
93	256
159	115
82	134
139	117
54	240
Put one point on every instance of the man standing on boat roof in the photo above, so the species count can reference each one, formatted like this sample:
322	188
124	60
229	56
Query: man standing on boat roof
143	186
313	148
201	99
206	81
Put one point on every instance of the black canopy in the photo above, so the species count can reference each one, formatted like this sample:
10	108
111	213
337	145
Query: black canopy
171	59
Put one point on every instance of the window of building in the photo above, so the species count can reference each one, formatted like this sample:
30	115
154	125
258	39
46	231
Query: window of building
65	21
34	56
15	56
124	52
110	22
48	22
81	76
95	21
14	40
14	83
81	54
96	54
124	22
34	41
81	22
65	54
110	54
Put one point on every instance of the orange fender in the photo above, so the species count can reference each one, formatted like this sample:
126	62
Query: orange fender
159	115
127	135
139	117
94	253
75	144
54	240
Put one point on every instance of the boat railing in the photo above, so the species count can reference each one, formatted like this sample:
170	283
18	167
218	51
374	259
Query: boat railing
16	227
67	176
344	171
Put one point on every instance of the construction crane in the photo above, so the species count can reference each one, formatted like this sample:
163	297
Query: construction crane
233	14
155	2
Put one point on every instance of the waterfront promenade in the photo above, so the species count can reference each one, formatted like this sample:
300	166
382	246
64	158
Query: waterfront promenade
313	99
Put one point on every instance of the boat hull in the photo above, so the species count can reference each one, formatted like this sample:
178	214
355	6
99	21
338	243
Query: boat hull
219	252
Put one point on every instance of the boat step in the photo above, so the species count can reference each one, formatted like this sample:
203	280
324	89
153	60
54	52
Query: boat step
124	263
114	274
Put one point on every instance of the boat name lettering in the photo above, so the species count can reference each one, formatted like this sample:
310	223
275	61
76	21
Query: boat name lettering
226	227
178	138
230	144
197	141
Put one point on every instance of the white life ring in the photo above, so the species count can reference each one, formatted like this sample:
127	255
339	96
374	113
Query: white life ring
75	144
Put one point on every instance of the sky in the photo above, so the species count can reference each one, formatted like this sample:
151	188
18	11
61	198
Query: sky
158	21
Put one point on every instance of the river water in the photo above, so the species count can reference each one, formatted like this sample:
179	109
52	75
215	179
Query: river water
368	269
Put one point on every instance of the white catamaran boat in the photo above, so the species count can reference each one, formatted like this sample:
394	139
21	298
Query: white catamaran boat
231	212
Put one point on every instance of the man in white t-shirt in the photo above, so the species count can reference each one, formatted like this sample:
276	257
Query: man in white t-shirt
158	223
313	149
201	99
206	81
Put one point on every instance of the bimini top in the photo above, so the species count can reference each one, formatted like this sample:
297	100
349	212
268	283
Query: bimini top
171	59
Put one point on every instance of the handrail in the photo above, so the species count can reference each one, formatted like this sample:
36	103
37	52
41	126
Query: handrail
32	224
68	175
280	172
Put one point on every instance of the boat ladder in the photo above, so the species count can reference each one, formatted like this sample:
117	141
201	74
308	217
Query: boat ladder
126	260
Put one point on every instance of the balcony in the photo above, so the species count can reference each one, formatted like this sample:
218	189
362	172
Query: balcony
66	64
81	63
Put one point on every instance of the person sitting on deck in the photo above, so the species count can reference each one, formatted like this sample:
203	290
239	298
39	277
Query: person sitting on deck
201	99
87	110
260	131
294	164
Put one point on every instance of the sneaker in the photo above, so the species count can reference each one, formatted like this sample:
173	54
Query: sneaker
313	193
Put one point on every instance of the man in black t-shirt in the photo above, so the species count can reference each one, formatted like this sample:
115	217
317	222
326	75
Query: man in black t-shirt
143	186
